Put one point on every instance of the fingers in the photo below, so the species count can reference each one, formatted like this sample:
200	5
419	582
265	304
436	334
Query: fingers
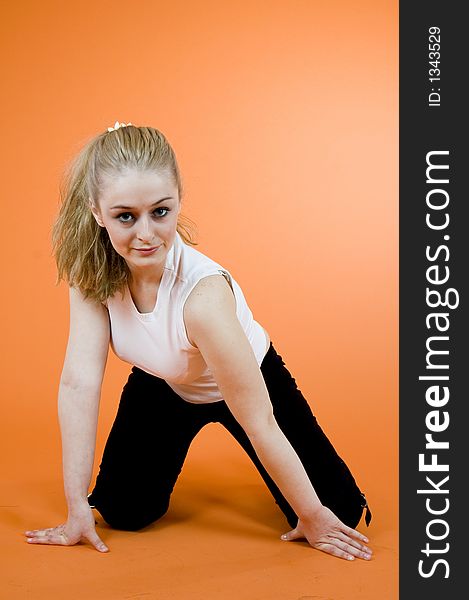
41	532
58	536
359	550
351	536
333	537
351	549
353	533
98	543
342	543
51	539
335	551
52	535
294	534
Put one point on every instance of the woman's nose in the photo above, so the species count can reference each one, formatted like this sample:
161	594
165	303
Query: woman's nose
144	231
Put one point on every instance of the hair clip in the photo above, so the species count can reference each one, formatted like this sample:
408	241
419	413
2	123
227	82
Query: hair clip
117	125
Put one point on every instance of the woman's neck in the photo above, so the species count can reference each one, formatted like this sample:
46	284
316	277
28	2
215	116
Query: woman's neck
141	278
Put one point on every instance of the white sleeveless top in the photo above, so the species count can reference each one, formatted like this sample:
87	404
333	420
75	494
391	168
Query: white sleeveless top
157	342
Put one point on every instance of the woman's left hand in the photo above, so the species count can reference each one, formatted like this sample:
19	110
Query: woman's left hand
327	533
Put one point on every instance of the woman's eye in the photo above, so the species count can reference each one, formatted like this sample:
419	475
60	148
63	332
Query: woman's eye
125	217
164	210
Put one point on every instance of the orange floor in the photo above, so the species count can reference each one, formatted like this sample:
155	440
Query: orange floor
218	541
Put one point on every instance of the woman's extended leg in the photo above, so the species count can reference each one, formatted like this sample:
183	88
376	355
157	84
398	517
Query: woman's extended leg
144	453
328	473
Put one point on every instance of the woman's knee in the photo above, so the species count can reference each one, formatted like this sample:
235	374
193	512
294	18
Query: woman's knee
132	516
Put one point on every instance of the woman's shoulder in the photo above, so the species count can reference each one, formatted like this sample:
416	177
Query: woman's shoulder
195	264
209	301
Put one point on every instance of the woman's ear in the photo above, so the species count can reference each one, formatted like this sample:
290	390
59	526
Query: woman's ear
96	212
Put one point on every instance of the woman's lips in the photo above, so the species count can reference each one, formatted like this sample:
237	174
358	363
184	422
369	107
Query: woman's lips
146	251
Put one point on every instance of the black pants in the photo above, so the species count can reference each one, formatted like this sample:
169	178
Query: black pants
154	428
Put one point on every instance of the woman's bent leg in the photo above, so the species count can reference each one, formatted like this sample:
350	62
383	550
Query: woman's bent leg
330	476
144	453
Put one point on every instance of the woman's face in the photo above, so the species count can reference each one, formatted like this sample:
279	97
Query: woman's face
139	210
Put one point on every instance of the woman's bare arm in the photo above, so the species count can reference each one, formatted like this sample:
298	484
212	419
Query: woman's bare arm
78	407
79	392
212	325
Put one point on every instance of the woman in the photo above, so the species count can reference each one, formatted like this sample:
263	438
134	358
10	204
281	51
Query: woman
199	356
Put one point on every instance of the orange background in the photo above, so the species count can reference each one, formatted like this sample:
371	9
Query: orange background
284	118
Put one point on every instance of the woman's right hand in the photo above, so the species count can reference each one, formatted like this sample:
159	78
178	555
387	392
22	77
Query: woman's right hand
80	526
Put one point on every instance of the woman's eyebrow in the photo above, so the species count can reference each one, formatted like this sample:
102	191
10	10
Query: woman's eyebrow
121	206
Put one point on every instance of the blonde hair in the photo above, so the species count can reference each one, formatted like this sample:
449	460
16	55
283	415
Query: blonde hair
82	249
